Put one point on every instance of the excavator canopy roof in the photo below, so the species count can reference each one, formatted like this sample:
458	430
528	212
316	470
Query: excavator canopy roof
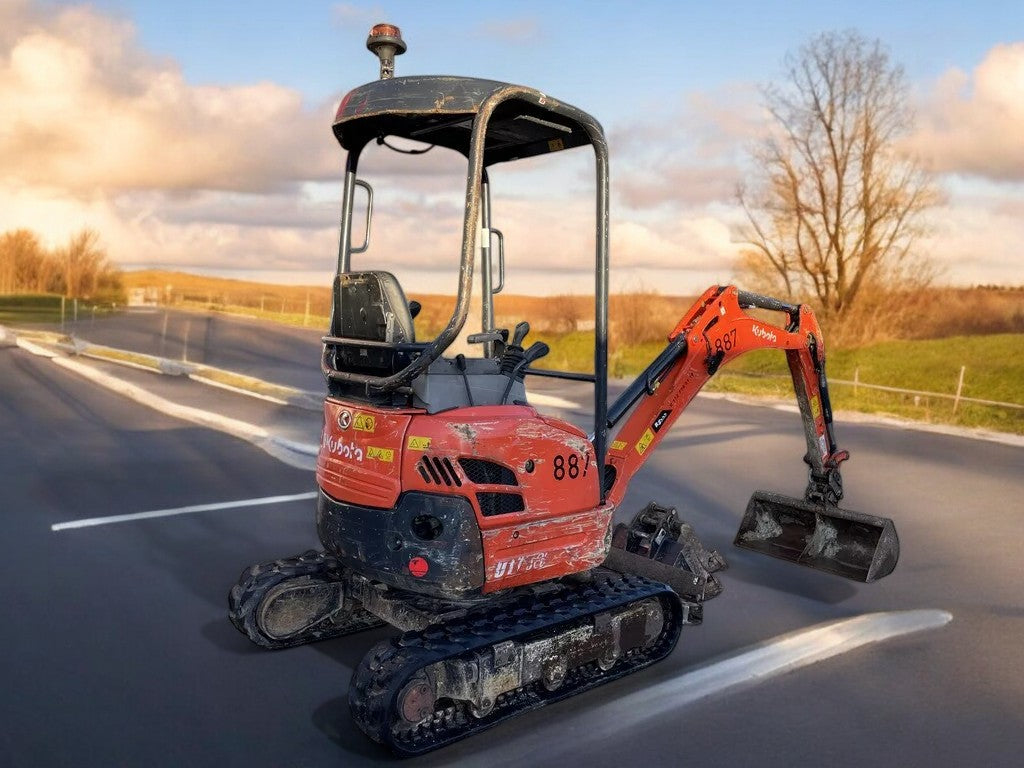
440	110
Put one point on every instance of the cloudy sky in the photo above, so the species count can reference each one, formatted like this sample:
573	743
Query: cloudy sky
196	135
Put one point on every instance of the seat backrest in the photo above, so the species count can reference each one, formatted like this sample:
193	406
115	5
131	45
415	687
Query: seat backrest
373	307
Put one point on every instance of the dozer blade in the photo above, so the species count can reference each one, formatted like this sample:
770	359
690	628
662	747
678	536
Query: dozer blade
850	544
659	546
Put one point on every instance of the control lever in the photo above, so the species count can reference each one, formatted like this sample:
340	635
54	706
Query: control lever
512	355
522	329
480	338
460	363
498	338
536	351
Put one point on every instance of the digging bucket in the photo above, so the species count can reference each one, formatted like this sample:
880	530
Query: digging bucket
850	544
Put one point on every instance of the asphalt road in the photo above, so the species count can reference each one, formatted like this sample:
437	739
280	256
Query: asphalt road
118	650
276	353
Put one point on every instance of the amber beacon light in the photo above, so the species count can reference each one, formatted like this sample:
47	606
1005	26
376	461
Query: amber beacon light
386	42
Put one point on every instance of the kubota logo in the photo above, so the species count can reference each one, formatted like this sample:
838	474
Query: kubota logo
764	333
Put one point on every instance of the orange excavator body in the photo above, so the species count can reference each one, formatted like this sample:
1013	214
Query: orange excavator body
482	529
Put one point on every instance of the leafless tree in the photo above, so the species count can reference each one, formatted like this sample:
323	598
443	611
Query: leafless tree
20	257
79	269
836	211
83	260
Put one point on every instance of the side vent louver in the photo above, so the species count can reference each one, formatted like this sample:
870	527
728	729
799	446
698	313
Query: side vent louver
483	472
500	503
438	471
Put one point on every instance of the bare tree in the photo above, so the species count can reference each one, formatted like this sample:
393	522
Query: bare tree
83	260
837	210
20	257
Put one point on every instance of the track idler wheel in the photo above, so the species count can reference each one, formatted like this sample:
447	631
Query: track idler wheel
294	601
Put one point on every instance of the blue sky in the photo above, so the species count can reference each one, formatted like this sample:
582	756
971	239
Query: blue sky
592	50
202	140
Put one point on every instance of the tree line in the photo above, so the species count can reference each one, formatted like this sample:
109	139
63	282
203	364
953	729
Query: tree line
79	269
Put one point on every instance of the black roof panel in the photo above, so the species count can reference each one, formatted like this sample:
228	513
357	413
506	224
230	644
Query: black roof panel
440	110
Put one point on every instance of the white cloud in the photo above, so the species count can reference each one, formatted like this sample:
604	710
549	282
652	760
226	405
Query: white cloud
92	114
101	133
523	31
976	236
687	156
974	123
357	15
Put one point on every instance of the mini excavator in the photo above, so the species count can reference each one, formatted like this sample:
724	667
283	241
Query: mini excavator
482	530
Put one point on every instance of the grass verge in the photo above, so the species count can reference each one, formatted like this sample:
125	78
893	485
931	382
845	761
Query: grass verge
993	370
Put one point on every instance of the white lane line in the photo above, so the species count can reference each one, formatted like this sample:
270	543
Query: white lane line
89	522
35	349
752	665
237	390
765	660
551	401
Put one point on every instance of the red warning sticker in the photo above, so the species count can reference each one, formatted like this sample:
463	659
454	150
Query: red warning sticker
418	567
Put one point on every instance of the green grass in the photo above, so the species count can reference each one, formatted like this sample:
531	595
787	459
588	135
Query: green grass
994	370
121	355
37	308
297	319
29	308
240	381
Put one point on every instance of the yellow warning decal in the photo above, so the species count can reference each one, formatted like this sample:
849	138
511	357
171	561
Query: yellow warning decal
618	445
555	145
381	454
644	442
364	422
417	443
815	407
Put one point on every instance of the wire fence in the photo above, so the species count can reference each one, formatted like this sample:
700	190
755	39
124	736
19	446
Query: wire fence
957	397
856	384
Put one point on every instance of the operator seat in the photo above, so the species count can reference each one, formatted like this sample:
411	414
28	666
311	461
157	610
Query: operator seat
373	307
374	321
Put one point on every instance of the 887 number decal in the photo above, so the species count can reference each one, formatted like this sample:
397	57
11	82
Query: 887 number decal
570	466
726	342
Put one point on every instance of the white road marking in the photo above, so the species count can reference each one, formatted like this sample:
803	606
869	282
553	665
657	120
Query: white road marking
767	659
745	667
35	349
237	390
89	522
551	401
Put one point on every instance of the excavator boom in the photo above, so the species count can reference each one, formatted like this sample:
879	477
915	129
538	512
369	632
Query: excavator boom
812	531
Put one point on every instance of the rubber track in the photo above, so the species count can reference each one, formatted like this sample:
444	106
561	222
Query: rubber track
257	580
383	672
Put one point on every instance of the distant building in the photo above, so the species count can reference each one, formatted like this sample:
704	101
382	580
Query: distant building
144	297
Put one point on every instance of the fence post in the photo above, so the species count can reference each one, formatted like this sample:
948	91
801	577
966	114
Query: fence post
959	388
856	379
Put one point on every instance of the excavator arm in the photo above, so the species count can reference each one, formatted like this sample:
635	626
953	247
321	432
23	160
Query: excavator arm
812	531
